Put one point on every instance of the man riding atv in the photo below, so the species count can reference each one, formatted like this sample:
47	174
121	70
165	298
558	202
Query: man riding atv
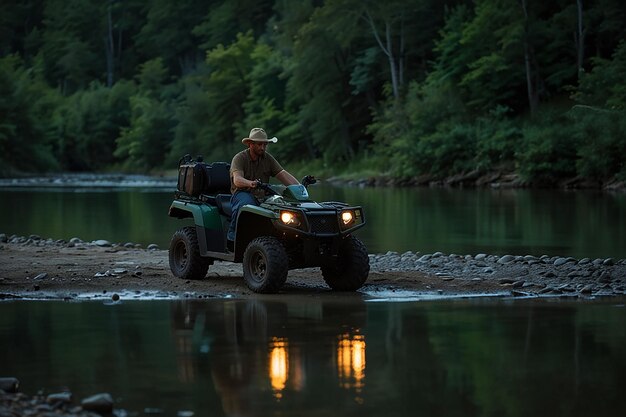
286	230
248	166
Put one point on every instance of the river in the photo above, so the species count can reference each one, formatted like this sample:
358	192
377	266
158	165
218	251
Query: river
519	222
307	356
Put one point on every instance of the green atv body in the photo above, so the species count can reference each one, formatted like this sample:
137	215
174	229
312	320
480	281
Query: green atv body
286	231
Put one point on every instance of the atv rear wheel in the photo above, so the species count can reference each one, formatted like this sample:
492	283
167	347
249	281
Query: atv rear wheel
184	254
265	265
350	270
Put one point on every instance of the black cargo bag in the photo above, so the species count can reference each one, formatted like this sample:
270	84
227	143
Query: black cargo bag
198	177
217	178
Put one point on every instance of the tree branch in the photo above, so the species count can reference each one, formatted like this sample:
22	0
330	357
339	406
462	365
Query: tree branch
375	32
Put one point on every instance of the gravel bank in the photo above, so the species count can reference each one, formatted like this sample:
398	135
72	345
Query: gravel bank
524	275
39	268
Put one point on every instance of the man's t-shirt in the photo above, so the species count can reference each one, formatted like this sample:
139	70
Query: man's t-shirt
261	169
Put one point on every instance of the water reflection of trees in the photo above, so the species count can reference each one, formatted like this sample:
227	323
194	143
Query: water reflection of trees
405	359
215	357
274	354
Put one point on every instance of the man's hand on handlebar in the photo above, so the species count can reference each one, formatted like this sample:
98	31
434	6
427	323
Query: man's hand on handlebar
308	180
265	187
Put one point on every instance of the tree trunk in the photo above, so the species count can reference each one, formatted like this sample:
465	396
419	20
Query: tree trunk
392	62
110	47
388	50
580	39
401	63
533	99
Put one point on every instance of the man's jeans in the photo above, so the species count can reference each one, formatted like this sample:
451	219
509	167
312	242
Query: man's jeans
237	200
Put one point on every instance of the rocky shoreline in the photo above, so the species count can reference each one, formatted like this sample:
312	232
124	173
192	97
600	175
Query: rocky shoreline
482	179
34	267
523	275
471	179
15	403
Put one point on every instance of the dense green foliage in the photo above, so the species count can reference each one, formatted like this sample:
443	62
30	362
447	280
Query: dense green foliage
409	87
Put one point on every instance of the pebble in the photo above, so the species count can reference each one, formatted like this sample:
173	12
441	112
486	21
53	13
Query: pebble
102	243
505	281
61	397
561	261
153	246
605	277
41	276
99	403
506	259
587	289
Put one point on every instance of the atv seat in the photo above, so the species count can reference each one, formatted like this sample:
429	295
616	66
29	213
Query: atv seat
222	202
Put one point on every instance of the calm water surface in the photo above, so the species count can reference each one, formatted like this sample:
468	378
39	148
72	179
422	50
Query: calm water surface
323	357
520	222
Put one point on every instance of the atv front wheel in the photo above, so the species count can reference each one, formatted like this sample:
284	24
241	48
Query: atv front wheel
265	265
350	270
184	253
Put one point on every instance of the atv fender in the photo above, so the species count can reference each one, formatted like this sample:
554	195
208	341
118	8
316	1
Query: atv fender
252	222
208	223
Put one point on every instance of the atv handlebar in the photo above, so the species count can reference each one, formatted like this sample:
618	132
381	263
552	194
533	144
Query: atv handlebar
308	180
266	187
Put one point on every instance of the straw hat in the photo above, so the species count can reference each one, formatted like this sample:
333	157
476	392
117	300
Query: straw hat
258	135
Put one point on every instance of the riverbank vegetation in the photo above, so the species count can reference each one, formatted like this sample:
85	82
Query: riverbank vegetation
400	88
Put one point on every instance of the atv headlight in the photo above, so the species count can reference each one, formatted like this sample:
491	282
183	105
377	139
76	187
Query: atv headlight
347	217
289	218
350	218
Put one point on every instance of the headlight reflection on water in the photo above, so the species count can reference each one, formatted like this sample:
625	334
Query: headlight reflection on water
351	361
279	365
350	365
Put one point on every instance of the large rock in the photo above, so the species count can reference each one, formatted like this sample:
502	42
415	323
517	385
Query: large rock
9	384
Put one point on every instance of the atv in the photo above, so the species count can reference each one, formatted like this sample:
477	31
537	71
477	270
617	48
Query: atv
286	231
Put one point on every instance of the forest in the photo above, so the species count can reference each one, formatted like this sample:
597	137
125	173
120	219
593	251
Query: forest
356	87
